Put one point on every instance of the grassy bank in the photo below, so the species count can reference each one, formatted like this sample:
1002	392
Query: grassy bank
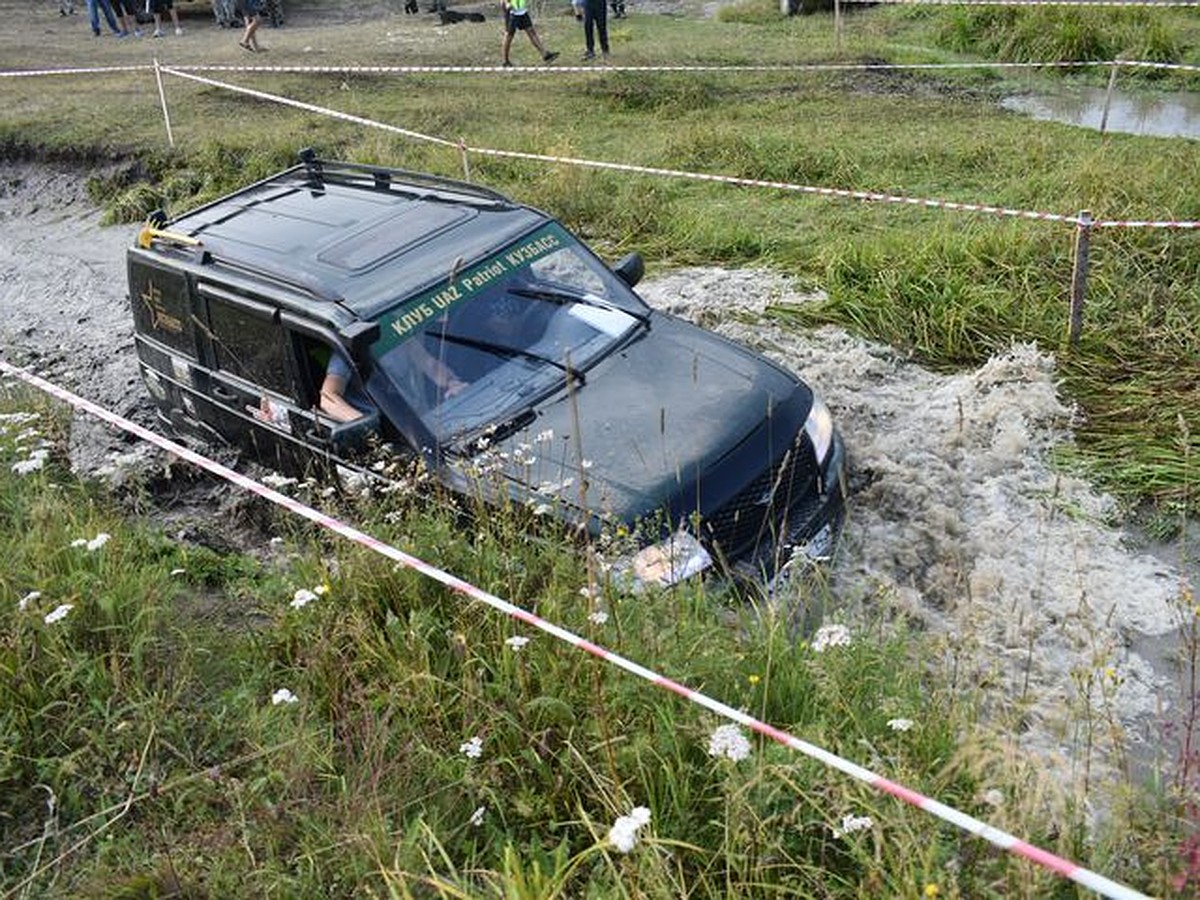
149	701
180	720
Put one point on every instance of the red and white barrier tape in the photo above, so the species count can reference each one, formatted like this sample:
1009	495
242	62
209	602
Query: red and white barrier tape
1057	864
626	167
594	70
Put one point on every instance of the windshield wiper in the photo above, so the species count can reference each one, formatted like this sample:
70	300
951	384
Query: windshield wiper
562	296
505	350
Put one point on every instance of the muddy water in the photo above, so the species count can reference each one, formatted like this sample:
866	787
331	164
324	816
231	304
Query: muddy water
959	525
1157	114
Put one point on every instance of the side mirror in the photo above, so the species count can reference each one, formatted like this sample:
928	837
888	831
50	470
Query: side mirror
630	269
352	436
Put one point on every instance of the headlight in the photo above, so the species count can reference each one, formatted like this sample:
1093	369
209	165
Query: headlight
666	563
819	428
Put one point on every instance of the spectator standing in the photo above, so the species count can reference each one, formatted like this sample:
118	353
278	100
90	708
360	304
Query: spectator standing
595	19
252	13
94	8
517	18
127	14
157	8
618	8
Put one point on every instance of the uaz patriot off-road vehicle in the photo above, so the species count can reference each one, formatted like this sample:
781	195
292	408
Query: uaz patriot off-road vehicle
482	336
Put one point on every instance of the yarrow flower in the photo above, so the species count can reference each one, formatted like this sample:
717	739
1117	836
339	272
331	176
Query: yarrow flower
729	742
283	695
302	598
517	642
472	749
900	724
58	613
830	636
36	460
623	834
23	603
599	617
851	824
477	816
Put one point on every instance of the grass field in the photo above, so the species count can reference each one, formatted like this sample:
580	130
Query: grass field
142	754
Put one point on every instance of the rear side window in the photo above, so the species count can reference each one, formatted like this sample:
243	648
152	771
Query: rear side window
248	342
161	307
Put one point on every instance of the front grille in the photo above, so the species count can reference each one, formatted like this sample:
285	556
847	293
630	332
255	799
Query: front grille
759	515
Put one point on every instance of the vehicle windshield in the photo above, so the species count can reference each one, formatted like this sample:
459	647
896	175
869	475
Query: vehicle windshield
496	337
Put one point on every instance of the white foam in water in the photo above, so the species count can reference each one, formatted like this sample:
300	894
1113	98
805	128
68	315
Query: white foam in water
960	523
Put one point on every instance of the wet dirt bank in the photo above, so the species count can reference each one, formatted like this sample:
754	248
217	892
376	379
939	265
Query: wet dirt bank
958	525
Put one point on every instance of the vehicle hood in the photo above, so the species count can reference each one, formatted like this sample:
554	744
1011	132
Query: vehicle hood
677	421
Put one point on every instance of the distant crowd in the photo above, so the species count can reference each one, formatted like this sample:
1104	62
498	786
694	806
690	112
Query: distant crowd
133	19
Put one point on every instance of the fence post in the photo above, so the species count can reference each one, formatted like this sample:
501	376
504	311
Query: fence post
162	99
462	148
1079	274
1112	80
837	24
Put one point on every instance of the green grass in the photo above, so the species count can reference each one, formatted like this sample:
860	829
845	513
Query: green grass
140	741
146	714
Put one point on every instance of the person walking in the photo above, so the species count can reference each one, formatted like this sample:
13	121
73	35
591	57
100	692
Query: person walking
252	12
94	8
595	19
517	18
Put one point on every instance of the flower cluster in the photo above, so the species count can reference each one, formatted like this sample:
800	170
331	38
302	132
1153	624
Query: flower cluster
94	544
472	749
830	636
728	741
851	824
623	834
283	695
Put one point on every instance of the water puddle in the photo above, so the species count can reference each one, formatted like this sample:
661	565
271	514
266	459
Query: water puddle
1153	114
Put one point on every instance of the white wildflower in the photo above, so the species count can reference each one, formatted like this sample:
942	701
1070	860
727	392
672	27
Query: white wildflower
900	724
177	572
79	542
477	816
599	617
472	749
729	742
850	824
830	636
517	642
98	541
321	590
283	695
585	464
25	466
623	834
59	612
23	603
994	798
302	598
273	480
543	436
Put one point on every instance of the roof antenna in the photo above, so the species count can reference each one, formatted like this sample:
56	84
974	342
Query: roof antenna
308	156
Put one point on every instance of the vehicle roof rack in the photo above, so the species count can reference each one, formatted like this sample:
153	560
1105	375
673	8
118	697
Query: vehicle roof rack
323	171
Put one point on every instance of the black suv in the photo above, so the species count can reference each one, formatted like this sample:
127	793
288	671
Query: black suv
479	335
